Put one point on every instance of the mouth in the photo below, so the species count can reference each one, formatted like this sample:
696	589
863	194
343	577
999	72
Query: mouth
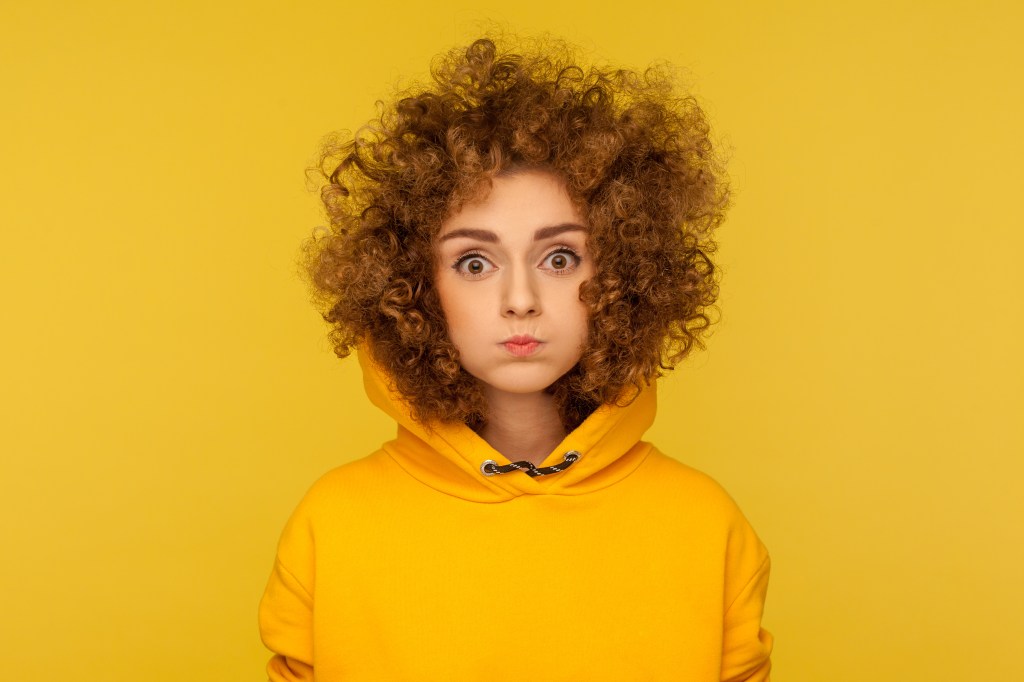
521	346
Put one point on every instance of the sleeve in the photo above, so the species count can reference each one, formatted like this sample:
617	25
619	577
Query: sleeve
286	609
746	646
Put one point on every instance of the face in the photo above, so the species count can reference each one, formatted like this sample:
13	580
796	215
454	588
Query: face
509	273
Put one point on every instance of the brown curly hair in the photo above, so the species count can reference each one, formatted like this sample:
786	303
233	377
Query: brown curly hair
638	161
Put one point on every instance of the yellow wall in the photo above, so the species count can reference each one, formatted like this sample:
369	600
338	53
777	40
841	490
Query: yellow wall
168	394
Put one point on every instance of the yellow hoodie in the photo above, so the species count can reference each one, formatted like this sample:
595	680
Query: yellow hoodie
410	564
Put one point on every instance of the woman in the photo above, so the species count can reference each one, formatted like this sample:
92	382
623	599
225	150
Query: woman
518	251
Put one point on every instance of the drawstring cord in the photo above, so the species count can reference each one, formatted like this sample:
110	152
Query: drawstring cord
490	467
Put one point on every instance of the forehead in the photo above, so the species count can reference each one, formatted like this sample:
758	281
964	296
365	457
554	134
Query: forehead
516	205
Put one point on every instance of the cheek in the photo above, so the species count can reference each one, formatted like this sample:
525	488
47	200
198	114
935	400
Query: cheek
583	324
571	321
579	312
458	312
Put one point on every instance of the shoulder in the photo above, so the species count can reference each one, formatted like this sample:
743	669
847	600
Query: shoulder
340	493
686	484
352	483
685	492
367	470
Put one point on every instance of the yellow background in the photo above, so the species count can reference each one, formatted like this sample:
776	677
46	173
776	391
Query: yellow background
168	394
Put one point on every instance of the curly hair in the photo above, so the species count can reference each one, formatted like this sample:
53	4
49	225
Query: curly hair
637	160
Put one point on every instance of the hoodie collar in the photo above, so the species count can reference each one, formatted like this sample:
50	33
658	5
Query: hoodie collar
447	457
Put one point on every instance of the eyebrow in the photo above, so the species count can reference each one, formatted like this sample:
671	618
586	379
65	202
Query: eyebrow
488	236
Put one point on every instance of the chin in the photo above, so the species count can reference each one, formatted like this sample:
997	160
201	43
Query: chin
519	380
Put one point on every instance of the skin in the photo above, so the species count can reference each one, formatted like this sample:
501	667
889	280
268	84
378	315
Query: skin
511	264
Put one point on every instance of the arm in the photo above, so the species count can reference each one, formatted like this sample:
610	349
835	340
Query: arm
286	627
286	609
746	646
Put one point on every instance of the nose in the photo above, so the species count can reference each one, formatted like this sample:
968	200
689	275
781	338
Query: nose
519	293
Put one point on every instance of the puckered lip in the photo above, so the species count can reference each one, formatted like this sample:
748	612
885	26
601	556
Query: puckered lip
520	339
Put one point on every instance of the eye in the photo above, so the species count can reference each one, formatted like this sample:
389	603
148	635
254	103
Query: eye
472	265
562	260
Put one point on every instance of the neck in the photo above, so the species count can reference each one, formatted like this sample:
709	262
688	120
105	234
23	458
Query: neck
522	426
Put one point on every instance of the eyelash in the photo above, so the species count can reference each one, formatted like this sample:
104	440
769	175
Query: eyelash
575	259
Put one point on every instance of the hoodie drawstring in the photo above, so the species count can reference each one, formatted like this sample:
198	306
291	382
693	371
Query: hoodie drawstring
490	467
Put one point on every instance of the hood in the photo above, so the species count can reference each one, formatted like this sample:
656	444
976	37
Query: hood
447	457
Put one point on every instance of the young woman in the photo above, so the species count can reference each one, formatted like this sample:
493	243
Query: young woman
517	252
